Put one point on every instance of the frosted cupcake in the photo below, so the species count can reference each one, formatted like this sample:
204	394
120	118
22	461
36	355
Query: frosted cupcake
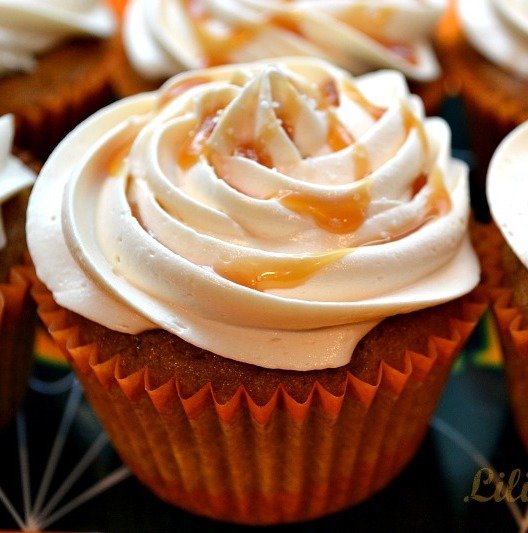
15	316
487	53
261	275
506	264
161	38
54	66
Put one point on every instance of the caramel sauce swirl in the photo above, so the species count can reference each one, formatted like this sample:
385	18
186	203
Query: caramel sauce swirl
265	274
334	214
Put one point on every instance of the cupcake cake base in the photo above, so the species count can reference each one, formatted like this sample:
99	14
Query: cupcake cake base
244	444
69	83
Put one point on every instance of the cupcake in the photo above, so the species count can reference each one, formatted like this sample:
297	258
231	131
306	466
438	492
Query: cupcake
505	258
55	62
15	303
486	52
261	274
161	39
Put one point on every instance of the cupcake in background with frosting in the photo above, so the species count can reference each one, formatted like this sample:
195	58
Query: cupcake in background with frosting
55	63
16	309
160	38
262	274
485	51
505	260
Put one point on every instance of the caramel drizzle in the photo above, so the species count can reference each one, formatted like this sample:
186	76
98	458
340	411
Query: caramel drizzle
217	48
286	22
410	121
179	88
117	160
264	274
337	215
439	202
418	184
194	146
256	152
376	112
328	90
338	137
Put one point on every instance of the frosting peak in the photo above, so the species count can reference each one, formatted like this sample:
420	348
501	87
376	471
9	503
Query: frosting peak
271	213
163	37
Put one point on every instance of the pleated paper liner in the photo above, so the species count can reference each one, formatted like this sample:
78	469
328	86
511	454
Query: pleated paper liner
282	461
17	321
512	322
68	84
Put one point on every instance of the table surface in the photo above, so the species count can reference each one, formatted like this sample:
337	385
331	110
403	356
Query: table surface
43	486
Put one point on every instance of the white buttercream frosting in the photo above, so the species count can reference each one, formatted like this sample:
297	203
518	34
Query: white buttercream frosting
31	27
272	213
14	175
163	37
498	29
507	190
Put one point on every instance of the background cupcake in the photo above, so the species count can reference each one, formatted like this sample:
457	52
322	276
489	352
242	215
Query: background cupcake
54	67
15	304
485	49
160	39
234	310
505	257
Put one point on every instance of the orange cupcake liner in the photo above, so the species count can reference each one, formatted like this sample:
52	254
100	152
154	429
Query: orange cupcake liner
16	326
512	326
284	461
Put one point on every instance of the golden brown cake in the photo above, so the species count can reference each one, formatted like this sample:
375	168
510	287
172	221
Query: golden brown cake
484	48
59	74
276	281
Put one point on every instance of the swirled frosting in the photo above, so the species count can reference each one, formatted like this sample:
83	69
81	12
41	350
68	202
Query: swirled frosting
30	27
14	175
272	213
163	37
507	190
498	29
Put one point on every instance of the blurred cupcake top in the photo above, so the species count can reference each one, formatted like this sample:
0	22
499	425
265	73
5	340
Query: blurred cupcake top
272	213
507	190
14	175
31	27
163	37
498	29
